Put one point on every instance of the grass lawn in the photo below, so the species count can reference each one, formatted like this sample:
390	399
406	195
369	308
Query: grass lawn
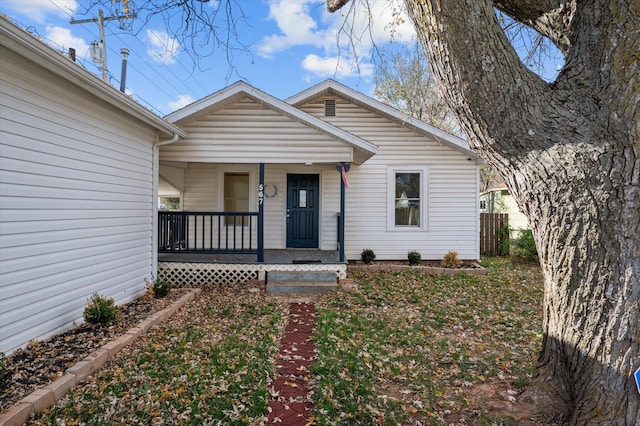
404	348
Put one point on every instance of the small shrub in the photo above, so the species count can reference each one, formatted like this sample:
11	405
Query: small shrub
160	287
414	258
367	256
524	247
100	310
502	235
450	260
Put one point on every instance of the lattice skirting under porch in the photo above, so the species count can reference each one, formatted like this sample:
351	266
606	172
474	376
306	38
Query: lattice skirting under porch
213	274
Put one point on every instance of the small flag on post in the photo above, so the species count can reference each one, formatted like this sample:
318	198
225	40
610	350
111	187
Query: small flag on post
345	180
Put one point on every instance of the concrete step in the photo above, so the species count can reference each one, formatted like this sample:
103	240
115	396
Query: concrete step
297	282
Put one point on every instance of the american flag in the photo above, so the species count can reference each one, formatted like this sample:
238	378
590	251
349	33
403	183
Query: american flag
345	180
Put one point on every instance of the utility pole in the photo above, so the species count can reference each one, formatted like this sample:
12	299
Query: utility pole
100	20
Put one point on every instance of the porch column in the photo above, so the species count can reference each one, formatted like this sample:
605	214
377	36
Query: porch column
261	214
342	168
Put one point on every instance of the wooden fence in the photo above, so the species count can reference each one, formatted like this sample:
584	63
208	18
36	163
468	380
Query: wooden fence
494	234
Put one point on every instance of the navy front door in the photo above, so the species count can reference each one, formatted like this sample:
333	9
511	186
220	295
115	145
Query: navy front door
303	196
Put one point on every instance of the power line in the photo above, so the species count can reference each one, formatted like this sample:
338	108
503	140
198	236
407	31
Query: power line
103	41
144	60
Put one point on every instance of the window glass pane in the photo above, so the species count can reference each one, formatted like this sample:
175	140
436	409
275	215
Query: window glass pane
407	199
236	195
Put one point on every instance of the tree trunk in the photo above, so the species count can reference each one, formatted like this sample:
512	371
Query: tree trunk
570	154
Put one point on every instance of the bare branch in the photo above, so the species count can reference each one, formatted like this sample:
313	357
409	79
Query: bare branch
333	5
551	18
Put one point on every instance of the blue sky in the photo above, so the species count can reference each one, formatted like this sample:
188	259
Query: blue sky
292	45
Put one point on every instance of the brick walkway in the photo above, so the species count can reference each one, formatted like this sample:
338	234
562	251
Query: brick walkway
290	403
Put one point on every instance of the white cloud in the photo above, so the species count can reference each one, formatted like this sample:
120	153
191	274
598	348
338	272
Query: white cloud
38	10
182	101
369	23
335	66
62	37
296	25
162	47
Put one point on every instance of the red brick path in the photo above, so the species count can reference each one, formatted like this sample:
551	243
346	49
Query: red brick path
290	389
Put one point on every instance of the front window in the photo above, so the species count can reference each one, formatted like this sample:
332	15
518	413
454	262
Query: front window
236	195
407	199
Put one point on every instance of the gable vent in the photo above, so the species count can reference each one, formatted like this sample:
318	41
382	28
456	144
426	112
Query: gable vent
329	107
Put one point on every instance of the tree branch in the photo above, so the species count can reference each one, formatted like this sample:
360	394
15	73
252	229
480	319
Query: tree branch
551	18
333	5
476	66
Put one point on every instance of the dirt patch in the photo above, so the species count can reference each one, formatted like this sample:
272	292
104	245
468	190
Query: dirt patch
497	401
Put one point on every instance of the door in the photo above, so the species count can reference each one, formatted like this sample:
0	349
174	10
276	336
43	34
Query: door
303	196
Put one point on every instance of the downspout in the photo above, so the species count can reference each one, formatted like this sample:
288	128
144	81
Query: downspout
154	189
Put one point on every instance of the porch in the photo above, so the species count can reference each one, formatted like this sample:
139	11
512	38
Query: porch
271	256
213	269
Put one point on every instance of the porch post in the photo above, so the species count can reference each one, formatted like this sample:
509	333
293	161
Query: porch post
342	168
261	214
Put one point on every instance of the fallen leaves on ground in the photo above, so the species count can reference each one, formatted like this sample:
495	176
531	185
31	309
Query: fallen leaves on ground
45	361
407	348
210	363
403	348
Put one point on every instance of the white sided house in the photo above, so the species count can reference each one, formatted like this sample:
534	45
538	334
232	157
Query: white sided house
410	186
265	185
77	196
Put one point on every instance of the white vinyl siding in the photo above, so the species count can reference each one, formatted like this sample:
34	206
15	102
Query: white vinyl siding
76	207
451	189
247	132
330	203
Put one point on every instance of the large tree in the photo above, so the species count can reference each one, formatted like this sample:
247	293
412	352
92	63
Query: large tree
569	152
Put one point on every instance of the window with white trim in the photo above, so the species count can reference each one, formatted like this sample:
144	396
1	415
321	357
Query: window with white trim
407	198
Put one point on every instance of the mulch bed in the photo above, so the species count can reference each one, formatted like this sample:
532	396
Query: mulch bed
466	264
45	361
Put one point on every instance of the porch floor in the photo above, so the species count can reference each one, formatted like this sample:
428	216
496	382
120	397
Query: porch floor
286	256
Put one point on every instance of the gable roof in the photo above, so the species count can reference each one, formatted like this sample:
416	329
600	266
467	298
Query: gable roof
332	87
498	187
363	149
32	49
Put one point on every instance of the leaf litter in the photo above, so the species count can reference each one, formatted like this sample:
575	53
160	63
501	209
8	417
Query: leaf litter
402	348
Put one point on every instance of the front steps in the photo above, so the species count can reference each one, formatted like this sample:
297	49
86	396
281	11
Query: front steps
296	282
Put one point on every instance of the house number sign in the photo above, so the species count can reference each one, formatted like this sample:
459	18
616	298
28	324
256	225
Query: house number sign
261	194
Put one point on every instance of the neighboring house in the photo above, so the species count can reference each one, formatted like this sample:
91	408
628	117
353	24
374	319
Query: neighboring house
77	195
410	185
498	199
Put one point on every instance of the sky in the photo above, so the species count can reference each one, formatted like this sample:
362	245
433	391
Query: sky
280	46
284	46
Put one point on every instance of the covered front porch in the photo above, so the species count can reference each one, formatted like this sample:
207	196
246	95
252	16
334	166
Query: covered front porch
205	248
254	219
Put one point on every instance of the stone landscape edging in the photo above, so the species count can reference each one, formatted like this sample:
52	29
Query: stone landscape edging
43	398
478	270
